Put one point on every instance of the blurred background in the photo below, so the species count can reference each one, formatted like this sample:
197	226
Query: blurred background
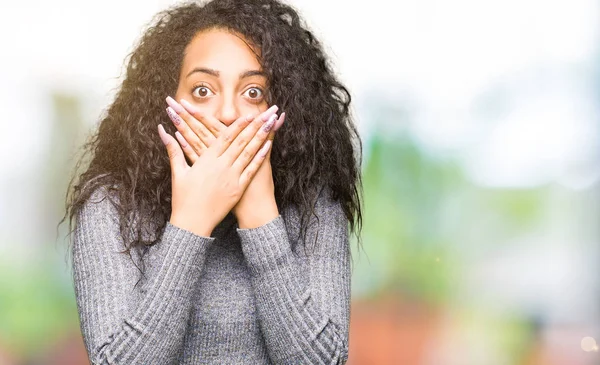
480	124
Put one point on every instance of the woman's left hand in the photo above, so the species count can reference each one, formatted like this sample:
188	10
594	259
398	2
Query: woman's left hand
196	132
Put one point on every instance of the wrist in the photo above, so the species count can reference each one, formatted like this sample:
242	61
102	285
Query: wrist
197	227
257	215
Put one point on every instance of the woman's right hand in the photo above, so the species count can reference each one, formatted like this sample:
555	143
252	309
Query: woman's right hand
203	194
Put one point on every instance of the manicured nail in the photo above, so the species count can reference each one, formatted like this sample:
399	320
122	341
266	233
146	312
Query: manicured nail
267	114
175	105
190	108
264	149
175	118
279	122
270	123
163	134
181	140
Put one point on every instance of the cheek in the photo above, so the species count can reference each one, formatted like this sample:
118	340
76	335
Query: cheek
255	108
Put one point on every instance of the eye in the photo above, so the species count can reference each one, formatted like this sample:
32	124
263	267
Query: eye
254	93
202	91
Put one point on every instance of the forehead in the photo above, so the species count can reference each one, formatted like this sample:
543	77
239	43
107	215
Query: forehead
220	50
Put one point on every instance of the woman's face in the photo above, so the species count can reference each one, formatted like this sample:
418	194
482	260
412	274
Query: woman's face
222	76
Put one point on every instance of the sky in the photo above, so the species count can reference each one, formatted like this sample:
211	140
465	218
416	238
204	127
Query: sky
444	60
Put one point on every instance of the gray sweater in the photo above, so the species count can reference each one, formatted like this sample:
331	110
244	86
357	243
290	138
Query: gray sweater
241	296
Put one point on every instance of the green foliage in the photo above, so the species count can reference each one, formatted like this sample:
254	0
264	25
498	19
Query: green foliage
37	303
422	215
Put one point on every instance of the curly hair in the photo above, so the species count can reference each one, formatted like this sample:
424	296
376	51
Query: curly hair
315	150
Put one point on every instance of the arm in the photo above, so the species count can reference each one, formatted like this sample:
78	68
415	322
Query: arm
303	310
120	325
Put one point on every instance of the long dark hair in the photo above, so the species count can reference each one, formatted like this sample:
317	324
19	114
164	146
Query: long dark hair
318	147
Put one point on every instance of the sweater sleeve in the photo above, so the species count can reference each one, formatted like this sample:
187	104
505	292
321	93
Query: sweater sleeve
303	310
121	325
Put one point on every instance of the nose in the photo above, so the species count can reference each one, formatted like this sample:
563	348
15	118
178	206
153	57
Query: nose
228	111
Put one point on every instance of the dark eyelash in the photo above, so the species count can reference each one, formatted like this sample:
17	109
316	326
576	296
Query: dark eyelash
262	91
200	85
257	87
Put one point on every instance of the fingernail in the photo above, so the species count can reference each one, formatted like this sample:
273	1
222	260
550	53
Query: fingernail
279	122
270	123
264	149
267	114
163	134
190	108
175	105
181	140
176	119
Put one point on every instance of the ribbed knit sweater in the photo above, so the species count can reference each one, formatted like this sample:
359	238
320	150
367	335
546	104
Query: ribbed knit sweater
240	296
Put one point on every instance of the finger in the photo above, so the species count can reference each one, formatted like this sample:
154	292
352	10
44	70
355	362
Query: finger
176	158
268	156
248	174
268	117
251	149
279	122
214	126
195	133
227	137
187	149
195	143
277	125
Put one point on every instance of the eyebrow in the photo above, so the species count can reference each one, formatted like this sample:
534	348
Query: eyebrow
215	73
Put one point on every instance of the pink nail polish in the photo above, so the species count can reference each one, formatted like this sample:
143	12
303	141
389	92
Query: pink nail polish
181	140
176	119
175	105
163	134
279	122
190	108
264	149
270	123
267	114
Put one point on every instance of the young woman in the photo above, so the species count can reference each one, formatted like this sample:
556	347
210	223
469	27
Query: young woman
222	235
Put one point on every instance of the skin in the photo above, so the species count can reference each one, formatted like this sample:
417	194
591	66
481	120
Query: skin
314	153
221	81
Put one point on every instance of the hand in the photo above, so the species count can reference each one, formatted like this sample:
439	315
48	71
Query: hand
203	194
197	132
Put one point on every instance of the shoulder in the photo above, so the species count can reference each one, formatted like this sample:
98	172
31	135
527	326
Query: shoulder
327	202
101	204
97	225
326	212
